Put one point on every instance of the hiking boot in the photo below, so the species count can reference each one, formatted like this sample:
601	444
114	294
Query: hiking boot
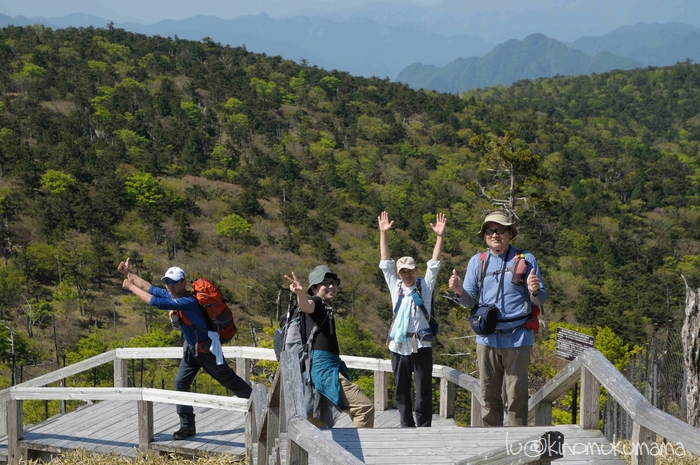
184	432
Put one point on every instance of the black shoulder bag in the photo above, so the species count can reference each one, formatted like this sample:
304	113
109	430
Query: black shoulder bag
483	318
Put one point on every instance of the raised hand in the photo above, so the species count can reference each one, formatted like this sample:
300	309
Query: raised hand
439	226
123	267
533	282
294	284
384	223
455	283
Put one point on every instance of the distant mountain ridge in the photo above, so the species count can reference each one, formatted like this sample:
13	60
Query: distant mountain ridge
533	57
650	44
361	47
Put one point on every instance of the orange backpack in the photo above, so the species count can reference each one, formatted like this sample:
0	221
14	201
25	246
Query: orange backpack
218	314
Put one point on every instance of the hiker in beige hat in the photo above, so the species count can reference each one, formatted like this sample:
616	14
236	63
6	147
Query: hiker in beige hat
414	324
509	280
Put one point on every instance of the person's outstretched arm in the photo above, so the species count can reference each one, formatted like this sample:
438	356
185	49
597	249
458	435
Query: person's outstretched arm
384	226
137	281
306	305
439	229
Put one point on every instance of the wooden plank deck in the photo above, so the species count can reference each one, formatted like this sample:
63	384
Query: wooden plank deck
111	427
450	444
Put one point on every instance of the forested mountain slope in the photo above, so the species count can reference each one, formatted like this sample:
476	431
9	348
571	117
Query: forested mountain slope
243	167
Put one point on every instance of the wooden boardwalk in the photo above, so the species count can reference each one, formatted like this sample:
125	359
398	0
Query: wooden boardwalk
111	427
451	444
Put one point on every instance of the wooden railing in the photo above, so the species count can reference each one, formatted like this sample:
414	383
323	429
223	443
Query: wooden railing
270	412
594	371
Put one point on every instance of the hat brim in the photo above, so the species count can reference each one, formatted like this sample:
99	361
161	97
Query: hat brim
511	227
309	290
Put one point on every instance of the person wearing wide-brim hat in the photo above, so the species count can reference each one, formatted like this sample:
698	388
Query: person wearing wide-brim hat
330	384
509	279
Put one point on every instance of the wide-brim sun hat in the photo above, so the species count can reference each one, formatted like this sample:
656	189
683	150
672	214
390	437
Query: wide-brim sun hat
318	275
498	218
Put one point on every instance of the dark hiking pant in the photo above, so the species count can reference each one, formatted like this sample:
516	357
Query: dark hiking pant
189	367
420	367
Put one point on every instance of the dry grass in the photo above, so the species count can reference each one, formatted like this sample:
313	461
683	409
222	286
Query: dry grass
680	457
83	457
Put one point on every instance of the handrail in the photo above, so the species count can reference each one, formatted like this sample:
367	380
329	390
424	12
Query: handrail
140	394
591	367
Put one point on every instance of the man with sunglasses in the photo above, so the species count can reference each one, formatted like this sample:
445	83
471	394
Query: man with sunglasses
333	391
503	356
410	335
195	330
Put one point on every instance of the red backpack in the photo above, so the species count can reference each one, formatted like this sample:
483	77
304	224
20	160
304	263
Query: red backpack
218	314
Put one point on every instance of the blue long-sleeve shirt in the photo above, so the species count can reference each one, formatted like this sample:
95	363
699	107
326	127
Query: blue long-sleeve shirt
192	324
513	300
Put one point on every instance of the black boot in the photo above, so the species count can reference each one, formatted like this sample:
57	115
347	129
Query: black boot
184	432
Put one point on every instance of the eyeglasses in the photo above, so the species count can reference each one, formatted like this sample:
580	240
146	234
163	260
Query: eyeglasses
330	282
492	231
170	282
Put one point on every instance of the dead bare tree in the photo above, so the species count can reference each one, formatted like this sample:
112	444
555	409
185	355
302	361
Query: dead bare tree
691	351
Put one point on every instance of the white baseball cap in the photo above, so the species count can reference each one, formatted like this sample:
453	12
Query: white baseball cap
174	273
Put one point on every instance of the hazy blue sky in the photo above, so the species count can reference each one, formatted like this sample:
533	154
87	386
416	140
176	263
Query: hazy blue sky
477	15
154	10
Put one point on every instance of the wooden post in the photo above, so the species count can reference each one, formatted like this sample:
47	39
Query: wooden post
121	372
590	400
62	403
381	379
243	369
476	412
15	431
145	414
3	419
448	395
296	455
642	441
543	414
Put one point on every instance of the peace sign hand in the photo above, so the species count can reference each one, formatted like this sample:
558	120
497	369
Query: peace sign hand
294	284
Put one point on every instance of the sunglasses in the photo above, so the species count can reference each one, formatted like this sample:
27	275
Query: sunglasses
170	282
492	231
330	281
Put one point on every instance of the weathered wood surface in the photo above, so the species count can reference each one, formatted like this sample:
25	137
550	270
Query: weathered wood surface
302	433
545	448
451	444
138	394
691	353
637	406
112	426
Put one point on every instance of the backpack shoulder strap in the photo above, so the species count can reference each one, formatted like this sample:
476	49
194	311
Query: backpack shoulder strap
419	302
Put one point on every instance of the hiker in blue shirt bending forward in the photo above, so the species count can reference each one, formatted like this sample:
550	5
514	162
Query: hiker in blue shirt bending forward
196	348
505	354
410	336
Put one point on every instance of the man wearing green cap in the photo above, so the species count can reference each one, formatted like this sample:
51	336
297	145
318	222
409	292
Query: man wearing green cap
327	373
503	356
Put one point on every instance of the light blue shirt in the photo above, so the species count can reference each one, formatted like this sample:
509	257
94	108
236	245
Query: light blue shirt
513	300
